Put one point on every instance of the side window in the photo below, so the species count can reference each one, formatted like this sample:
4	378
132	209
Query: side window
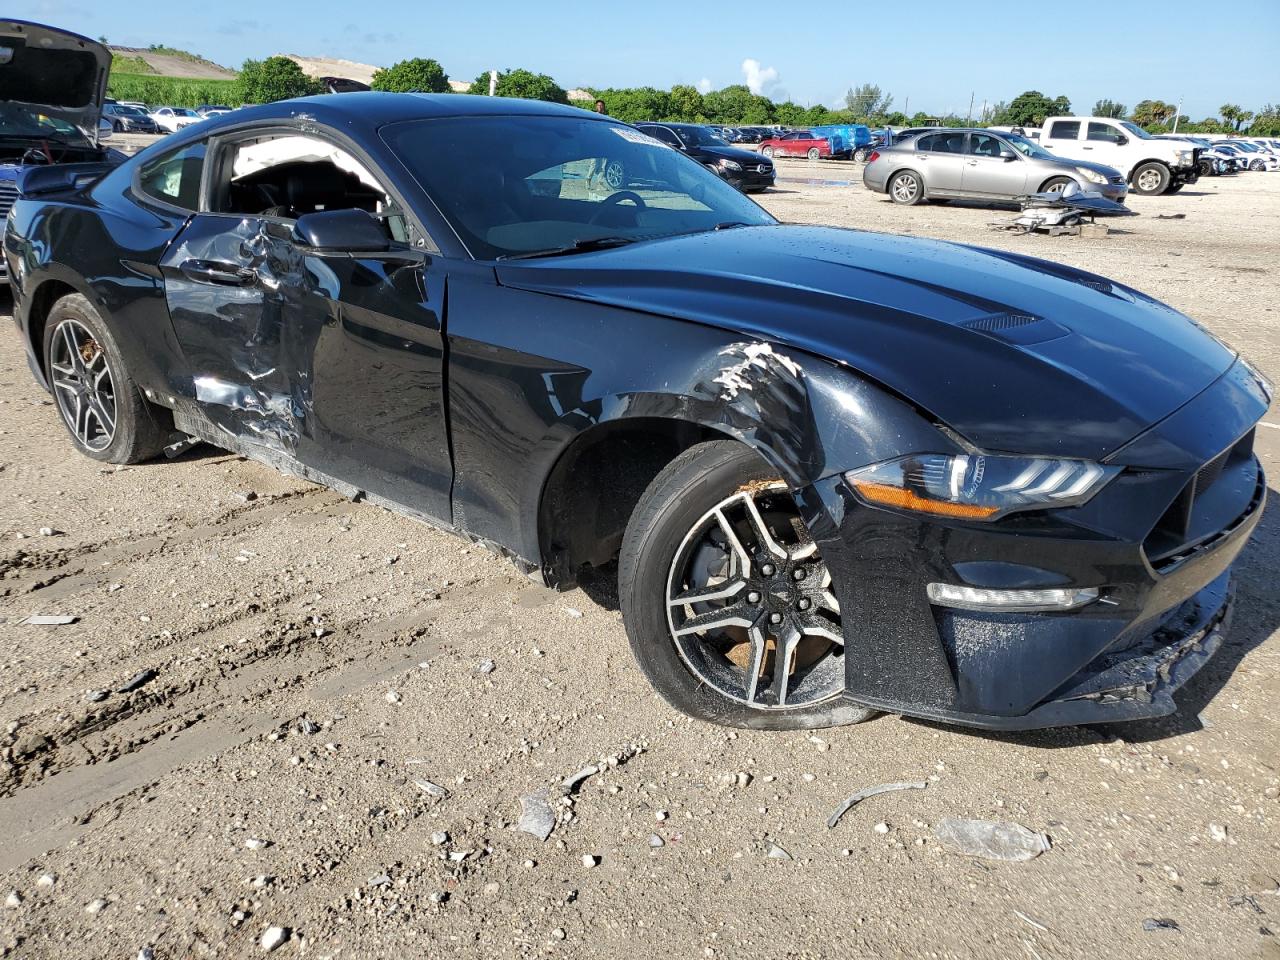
985	145
1104	132
1064	130
941	143
175	177
666	136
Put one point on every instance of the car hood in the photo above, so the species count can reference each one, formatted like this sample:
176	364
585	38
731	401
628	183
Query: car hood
61	73
1102	168
1014	353
735	153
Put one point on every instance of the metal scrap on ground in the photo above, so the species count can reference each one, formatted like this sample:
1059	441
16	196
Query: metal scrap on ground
538	815
861	795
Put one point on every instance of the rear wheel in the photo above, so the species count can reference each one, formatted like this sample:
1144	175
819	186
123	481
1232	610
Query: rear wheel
727	601
906	188
860	155
100	405
814	153
1151	179
1257	165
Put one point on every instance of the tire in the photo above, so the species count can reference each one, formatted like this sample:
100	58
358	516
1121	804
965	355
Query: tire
696	673
1055	184
814	153
1151	179
766	152
860	155
108	419
906	188
1257	165
1175	187
615	175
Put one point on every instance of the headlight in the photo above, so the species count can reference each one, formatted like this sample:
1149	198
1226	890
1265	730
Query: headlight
976	487
1185	156
1093	176
731	165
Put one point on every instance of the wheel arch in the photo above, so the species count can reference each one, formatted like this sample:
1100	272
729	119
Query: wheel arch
1133	171
40	301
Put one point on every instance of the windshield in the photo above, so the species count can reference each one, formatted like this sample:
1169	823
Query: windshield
184	112
1028	148
523	185
29	123
1136	130
699	137
1249	147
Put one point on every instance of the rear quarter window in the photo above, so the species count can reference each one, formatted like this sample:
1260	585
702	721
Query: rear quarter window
174	177
1064	130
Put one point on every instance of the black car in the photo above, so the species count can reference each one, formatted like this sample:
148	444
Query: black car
126	119
342	85
52	87
837	471
746	170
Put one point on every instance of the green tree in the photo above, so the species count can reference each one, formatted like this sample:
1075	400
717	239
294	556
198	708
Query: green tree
1267	121
1029	109
1150	113
275	78
633	104
867	100
685	103
524	84
788	114
1110	108
728	105
412	76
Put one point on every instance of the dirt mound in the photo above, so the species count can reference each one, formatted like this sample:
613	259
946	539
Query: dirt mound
333	67
173	65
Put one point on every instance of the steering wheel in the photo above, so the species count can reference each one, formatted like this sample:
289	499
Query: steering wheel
614	199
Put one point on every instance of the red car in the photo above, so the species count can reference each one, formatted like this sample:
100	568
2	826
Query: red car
797	143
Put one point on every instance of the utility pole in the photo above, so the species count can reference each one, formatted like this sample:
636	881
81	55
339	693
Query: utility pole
1177	116
968	120
493	82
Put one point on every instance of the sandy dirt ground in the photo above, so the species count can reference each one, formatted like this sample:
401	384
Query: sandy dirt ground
250	723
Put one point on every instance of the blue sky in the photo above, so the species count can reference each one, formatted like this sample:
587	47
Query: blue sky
932	52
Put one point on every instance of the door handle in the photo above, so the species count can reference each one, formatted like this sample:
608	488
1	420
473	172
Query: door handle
973	163
217	272
1086	148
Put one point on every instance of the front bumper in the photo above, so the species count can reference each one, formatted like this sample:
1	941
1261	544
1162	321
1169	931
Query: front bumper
1162	614
1188	174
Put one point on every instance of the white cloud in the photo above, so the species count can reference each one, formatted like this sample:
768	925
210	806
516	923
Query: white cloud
759	78
704	85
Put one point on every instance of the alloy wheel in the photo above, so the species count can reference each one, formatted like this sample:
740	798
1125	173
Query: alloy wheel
83	385
614	174
750	606
904	189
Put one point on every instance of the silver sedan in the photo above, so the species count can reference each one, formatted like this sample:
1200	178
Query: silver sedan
980	165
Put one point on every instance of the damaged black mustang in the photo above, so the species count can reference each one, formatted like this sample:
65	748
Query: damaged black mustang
838	471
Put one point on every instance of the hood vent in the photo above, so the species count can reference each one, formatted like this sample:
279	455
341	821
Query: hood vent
1018	328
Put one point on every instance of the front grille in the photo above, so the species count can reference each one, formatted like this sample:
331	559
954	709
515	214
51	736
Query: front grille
1209	507
8	194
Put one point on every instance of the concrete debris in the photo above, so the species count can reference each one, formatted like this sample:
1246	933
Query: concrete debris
656	841
777	853
485	667
97	696
308	726
992	841
589	860
558	933
95	907
13	900
440	838
1153	924
434	789
273	937
861	795
46	881
536	816
660	815
1218	832
392	697
140	679
576	614
881	827
739	779
262	881
50	620
253	843
147	953
246	496
439	897
381	880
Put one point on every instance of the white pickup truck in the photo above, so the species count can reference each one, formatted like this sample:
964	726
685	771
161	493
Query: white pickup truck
1151	165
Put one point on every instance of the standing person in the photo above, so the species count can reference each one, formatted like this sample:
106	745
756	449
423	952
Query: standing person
600	107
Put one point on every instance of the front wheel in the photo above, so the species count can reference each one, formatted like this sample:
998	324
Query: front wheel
1151	179
101	406
906	188
1257	165
1055	185
766	151
813	153
727	601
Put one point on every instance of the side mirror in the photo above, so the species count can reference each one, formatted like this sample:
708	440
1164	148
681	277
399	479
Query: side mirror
1121	140
1008	157
342	231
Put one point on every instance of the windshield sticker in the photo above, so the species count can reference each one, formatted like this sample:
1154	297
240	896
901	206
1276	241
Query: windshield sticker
635	136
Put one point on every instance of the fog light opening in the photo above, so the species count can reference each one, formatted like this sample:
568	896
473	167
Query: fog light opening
1011	601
